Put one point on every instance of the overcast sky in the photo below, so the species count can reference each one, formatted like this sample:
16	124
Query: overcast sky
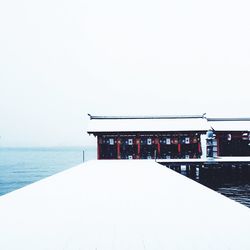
60	60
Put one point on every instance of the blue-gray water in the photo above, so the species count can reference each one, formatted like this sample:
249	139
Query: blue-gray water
22	166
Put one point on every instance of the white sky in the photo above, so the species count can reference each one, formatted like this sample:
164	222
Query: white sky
60	60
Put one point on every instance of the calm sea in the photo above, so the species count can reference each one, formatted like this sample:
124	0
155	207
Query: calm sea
22	166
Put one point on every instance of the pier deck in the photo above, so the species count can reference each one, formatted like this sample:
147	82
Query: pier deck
121	205
207	161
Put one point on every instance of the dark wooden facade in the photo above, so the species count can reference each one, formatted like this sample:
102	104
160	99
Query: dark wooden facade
162	145
231	136
233	143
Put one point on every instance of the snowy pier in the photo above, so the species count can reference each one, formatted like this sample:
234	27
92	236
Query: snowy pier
207	162
121	205
240	164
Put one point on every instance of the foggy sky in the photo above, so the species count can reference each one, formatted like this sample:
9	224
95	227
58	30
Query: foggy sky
60	60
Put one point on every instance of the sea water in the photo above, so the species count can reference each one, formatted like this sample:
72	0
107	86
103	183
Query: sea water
22	166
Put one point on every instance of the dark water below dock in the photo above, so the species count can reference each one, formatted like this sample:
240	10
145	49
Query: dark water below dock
231	182
237	192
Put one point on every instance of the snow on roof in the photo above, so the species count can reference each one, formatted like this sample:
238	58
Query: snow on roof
121	205
145	117
99	124
229	124
146	124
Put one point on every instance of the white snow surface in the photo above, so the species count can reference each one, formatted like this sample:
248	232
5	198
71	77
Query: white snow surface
105	205
230	125
229	159
148	125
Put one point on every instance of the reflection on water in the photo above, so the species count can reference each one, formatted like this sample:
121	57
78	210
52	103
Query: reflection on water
233	182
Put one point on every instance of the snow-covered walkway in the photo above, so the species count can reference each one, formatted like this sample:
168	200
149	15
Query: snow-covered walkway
132	205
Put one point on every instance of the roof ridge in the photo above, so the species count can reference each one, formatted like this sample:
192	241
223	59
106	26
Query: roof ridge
92	117
229	119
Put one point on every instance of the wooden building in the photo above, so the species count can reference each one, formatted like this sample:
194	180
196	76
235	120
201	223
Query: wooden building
231	136
145	137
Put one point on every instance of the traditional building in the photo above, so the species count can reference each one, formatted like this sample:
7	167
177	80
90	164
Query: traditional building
231	137
148	137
